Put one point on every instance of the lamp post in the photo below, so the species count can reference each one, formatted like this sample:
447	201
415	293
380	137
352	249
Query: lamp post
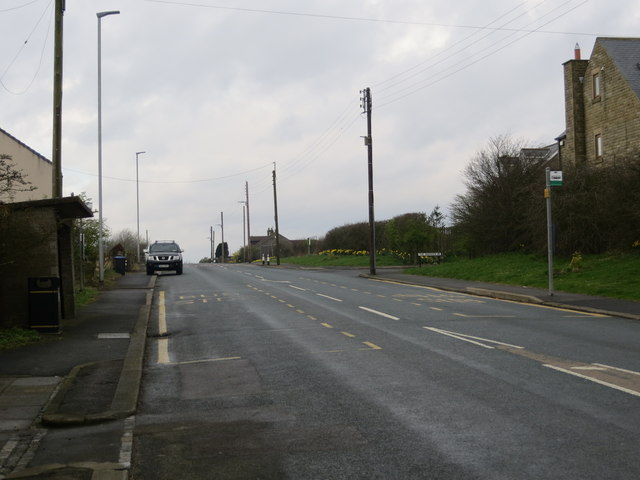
100	239
138	209
244	229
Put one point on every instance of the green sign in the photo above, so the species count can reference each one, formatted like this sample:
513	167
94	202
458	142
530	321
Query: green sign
555	178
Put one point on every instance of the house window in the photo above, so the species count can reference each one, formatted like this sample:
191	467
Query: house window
598	146
597	86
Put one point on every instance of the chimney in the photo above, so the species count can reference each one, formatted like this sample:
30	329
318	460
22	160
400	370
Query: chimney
576	52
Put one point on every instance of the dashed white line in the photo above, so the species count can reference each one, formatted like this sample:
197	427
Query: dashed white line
376	312
330	298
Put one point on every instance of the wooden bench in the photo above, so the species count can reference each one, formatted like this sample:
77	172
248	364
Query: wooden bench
436	255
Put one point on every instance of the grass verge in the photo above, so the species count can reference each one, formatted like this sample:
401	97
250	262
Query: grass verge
613	275
11	338
340	261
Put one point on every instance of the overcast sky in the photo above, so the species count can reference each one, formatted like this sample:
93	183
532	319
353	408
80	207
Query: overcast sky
216	91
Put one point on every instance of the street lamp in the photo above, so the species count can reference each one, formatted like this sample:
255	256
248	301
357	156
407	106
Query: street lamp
244	229
100	239
138	208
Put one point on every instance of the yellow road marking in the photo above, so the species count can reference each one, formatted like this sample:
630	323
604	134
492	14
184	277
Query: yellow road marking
372	346
347	334
163	343
162	315
326	325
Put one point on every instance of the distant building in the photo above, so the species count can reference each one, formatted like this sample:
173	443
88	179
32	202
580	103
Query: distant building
602	103
266	245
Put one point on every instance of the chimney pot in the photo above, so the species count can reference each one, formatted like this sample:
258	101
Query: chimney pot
576	51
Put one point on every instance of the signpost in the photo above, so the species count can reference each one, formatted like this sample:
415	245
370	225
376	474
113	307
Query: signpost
553	179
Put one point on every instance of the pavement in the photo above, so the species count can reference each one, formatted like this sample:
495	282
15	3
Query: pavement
88	374
91	372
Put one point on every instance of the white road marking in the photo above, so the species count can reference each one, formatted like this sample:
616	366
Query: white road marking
376	312
471	338
112	336
595	380
330	298
298	288
126	442
617	368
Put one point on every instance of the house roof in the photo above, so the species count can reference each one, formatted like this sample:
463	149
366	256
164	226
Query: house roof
625	53
24	145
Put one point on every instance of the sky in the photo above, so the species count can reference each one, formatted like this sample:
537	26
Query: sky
219	93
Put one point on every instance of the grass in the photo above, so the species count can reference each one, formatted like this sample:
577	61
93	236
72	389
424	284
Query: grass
11	338
615	275
339	261
608	275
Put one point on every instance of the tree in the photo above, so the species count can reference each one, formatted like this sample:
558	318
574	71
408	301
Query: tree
219	250
128	240
12	180
86	242
494	213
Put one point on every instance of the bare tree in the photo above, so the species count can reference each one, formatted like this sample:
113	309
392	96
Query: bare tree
12	180
494	214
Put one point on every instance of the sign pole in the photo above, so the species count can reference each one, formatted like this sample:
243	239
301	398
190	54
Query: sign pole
547	195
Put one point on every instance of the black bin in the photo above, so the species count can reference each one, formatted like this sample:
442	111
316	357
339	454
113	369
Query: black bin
44	304
120	264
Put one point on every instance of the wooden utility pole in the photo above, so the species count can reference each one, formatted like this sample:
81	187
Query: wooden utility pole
275	207
56	155
368	141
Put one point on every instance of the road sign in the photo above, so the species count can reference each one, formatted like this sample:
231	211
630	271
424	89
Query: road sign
556	178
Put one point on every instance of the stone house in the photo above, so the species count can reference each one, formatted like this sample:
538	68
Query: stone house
602	103
266	245
35	168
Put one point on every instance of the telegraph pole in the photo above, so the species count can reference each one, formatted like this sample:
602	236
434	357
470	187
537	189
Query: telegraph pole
246	187
212	240
275	207
368	141
56	155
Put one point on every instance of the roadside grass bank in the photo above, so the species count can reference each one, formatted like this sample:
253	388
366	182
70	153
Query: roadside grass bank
11	338
361	261
615	275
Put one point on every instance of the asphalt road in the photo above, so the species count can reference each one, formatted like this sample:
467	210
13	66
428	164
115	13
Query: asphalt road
277	373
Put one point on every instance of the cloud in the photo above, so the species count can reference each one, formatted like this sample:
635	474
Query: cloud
215	96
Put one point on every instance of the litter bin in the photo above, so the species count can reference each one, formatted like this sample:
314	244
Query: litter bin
44	304
120	264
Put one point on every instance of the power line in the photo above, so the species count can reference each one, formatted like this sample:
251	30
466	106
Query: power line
200	180
19	6
420	85
459	42
352	18
44	45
